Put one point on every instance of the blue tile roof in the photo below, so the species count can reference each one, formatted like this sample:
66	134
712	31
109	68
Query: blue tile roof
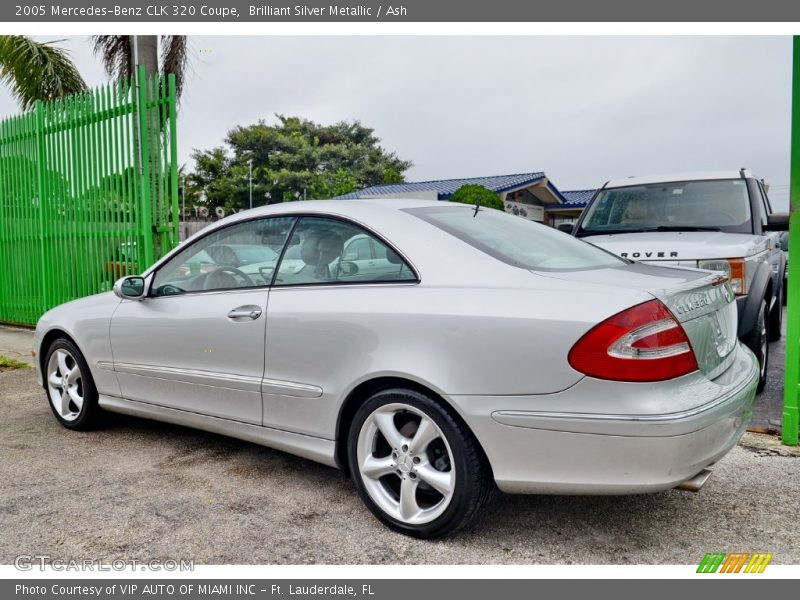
577	198
446	187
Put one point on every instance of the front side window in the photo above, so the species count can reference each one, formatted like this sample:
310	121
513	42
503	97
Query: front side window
243	255
324	250
516	241
716	205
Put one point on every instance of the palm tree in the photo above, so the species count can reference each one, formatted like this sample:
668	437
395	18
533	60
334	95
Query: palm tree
117	54
37	70
43	71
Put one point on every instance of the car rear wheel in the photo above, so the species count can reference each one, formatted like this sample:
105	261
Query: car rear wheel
70	387
758	341
417	468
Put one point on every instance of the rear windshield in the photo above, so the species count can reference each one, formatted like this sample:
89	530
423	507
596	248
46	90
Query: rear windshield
717	205
516	241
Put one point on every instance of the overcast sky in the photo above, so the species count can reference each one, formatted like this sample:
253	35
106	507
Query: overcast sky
582	109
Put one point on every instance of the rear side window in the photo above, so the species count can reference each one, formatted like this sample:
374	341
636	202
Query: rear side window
322	250
516	241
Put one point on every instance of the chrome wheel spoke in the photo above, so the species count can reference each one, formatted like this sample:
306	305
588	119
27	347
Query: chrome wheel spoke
54	380
441	481
375	468
61	358
63	407
408	499
74	375
385	423
76	398
426	433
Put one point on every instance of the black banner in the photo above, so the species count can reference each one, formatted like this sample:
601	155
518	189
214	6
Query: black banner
338	11
388	589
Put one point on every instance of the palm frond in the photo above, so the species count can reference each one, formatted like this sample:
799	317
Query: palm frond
37	70
116	53
175	54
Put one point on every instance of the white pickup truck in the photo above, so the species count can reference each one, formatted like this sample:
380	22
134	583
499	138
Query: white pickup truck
720	221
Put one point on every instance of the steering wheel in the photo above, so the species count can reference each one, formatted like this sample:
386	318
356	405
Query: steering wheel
225	277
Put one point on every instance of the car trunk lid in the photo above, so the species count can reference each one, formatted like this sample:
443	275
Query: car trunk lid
701	301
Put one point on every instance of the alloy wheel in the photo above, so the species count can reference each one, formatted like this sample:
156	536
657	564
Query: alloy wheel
406	464
65	384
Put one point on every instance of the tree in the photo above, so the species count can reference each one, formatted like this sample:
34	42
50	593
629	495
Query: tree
473	194
37	70
293	159
42	71
117	54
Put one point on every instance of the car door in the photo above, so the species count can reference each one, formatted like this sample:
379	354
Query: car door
319	332
196	341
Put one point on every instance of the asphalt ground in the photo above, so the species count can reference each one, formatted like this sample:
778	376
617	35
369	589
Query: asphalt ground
142	490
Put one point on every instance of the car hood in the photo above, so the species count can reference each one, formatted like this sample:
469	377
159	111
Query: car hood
679	245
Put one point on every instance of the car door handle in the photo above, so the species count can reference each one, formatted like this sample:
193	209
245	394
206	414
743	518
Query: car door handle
243	313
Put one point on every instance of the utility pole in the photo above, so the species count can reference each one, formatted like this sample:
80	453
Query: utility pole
250	163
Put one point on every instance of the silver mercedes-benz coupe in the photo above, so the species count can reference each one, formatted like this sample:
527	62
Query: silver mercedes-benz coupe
431	350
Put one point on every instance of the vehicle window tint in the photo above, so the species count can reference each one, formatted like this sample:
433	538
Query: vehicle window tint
324	250
516	241
242	255
357	248
709	204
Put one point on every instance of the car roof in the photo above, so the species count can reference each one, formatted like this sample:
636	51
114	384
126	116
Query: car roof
673	177
343	206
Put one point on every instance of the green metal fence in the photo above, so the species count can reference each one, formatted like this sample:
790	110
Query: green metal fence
791	389
82	201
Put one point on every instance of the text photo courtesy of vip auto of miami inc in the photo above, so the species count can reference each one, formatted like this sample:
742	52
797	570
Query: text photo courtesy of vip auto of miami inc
516	302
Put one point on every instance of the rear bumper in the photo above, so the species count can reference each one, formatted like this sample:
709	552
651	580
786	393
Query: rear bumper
601	437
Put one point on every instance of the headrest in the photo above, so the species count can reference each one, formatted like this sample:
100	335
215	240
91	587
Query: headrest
321	248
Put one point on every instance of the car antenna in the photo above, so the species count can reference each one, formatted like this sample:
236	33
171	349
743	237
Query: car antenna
477	207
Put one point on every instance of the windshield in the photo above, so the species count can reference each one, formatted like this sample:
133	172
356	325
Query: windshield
515	240
719	205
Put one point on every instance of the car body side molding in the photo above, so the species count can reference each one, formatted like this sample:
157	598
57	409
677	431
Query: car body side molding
313	448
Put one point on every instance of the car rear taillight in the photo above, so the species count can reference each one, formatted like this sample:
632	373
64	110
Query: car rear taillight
642	343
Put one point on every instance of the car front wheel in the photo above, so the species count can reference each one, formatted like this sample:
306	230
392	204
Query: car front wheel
70	387
416	467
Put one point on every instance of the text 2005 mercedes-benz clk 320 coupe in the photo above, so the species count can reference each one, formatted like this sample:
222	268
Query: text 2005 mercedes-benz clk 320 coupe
430	349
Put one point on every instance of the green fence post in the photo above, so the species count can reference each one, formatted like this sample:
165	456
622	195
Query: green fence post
146	210
44	268
791	389
172	107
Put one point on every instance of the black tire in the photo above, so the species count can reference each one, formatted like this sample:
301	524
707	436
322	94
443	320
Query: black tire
473	478
785	291
776	321
88	416
757	339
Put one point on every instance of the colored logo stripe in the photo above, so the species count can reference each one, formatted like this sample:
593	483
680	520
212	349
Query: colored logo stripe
758	563
734	563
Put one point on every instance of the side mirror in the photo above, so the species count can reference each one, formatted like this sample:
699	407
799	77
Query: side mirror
777	222
566	227
130	288
348	269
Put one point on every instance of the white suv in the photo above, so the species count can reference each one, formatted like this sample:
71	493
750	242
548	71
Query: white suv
720	221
